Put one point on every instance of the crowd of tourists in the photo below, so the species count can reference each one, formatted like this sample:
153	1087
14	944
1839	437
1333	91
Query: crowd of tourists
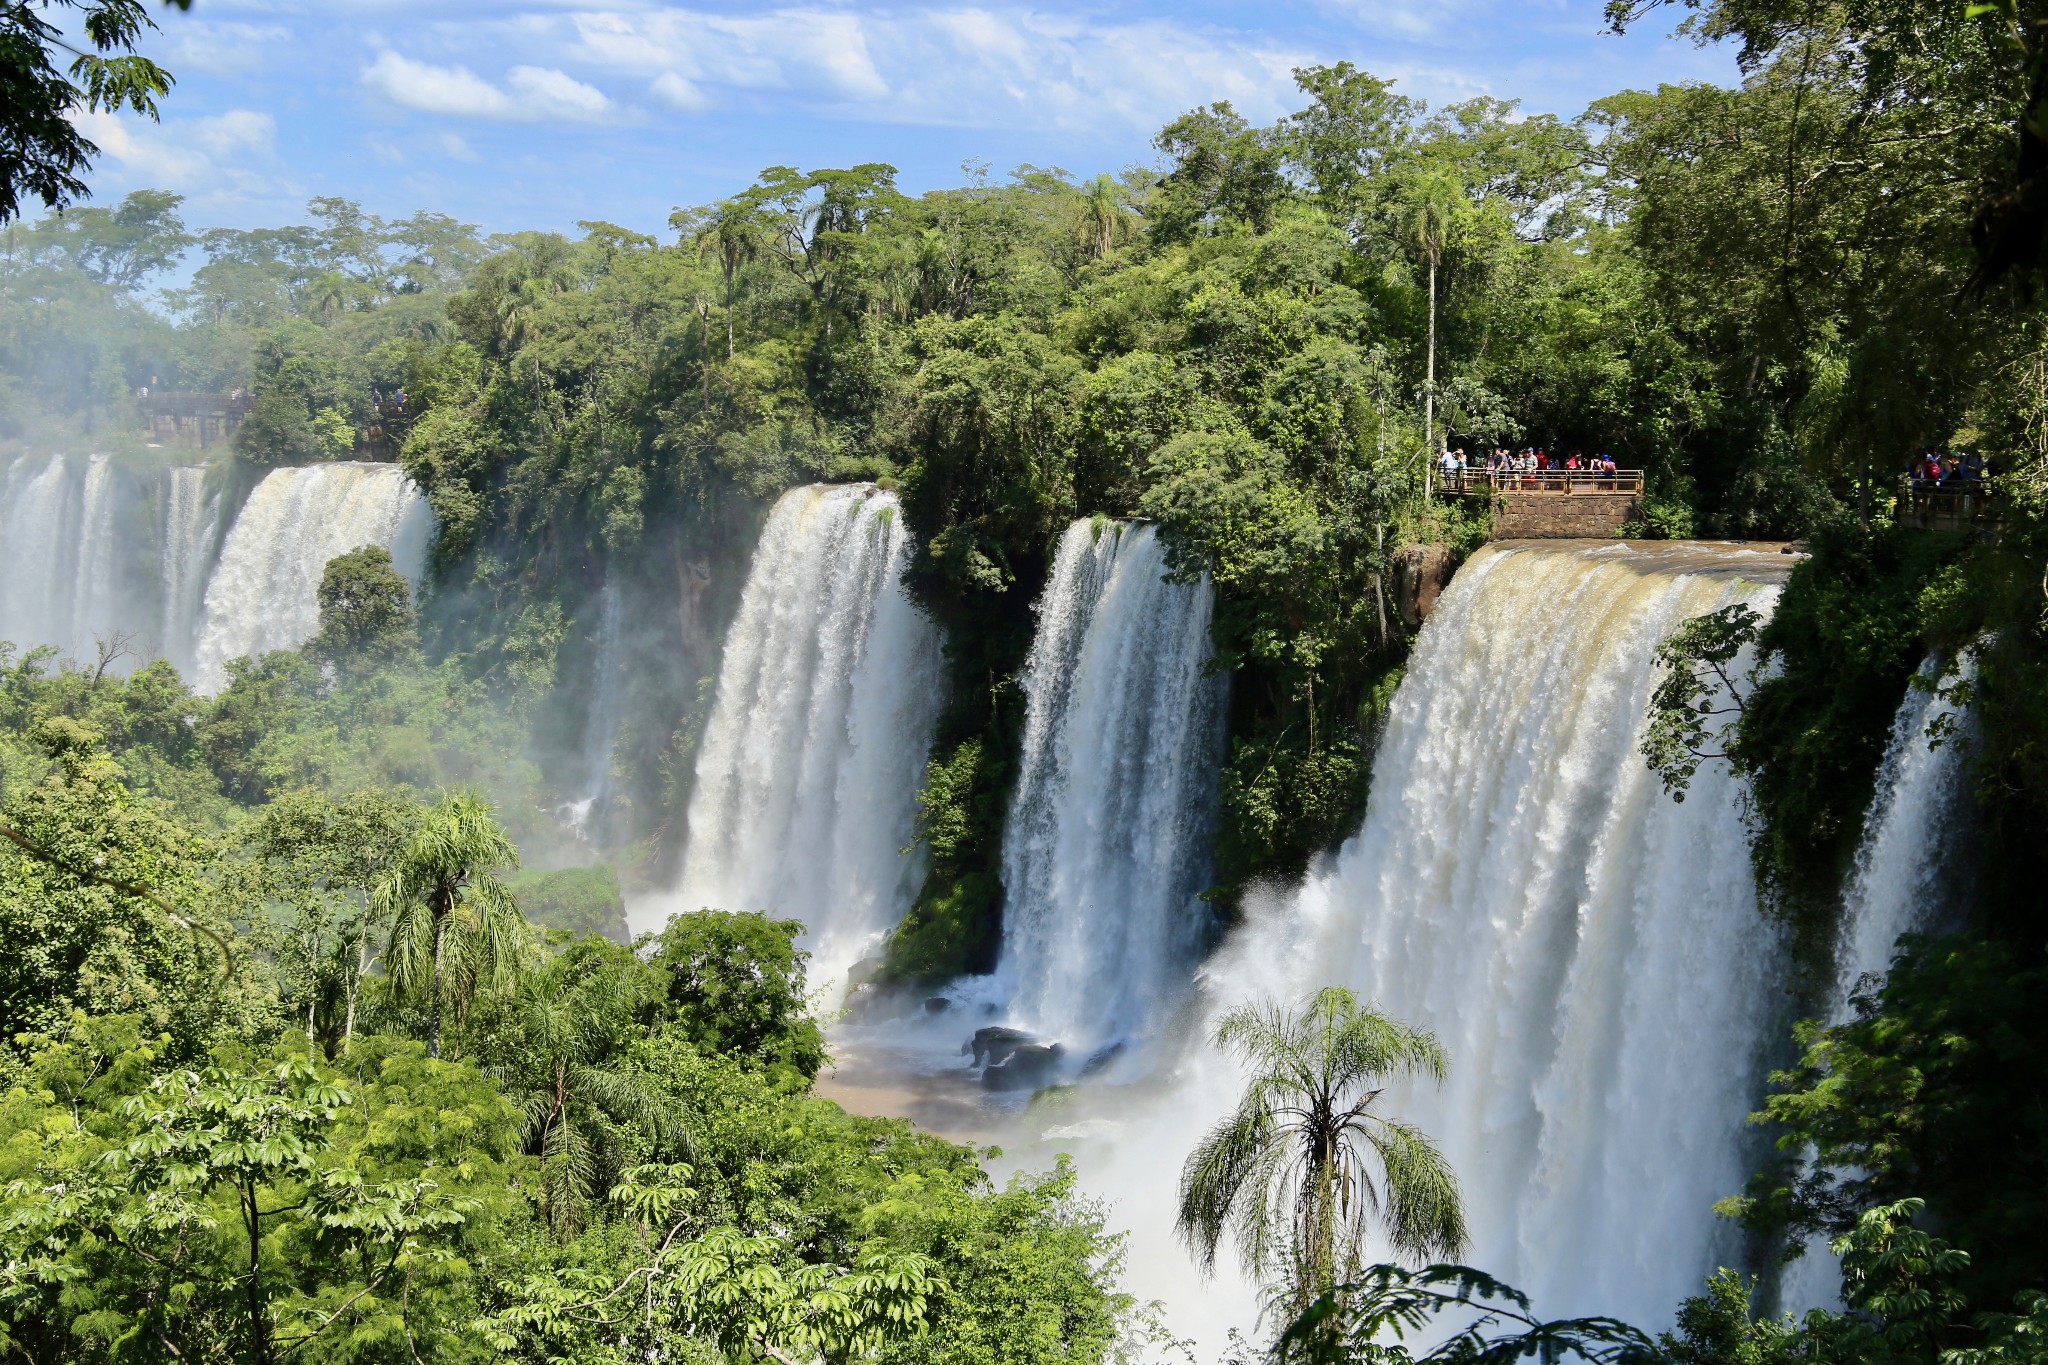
1957	469
1527	461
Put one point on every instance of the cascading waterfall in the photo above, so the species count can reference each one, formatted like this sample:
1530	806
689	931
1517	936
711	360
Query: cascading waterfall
67	582
1589	952
1910	875
189	521
807	778
1910	869
264	592
584	817
95	610
37	519
1103	855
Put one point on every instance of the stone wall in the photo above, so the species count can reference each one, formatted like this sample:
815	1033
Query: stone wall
1552	516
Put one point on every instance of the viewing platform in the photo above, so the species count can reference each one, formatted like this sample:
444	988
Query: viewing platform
1962	506
201	419
1552	504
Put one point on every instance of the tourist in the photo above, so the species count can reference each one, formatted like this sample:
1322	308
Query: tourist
1607	465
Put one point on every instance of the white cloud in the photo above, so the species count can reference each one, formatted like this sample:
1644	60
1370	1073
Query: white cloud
229	49
677	93
458	147
811	51
533	95
965	66
549	94
225	159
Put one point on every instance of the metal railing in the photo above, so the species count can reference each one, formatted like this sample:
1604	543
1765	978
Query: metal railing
1954	505
1562	482
182	403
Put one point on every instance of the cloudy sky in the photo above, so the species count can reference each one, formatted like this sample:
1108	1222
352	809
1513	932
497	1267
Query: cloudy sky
536	113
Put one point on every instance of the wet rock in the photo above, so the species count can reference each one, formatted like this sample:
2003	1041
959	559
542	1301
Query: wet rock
995	1045
1420	573
937	1004
1102	1058
1027	1067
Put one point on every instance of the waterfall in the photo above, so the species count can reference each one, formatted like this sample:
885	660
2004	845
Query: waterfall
1103	854
189	517
95	608
264	591
830	686
1909	868
1910	875
584	817
1589	952
37	520
68	580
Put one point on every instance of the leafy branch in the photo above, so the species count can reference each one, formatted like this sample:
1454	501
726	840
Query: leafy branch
1695	706
1352	1322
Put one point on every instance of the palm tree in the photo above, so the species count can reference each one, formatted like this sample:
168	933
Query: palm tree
579	1103
1304	1166
1429	220
1103	216
733	235
454	925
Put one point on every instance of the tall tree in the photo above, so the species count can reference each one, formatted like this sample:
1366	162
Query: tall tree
1304	1166
1429	214
583	1106
42	151
731	234
1344	142
454	925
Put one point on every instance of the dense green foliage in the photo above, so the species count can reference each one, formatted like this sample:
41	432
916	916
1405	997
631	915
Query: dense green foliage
1768	297
227	1138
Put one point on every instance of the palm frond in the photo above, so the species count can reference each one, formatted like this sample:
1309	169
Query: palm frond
1225	1169
1425	1213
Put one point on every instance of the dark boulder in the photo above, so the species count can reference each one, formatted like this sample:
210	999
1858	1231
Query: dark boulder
1027	1067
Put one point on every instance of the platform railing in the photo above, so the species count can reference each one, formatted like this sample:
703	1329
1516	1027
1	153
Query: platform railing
1952	505
1562	482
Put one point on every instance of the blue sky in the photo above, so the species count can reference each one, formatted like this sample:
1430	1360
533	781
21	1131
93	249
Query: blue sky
537	113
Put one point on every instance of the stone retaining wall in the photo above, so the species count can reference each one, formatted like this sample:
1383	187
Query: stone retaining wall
1550	516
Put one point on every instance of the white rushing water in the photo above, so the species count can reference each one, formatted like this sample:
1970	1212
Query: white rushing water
97	599
1589	952
36	521
1911	865
68	581
807	777
189	522
584	817
264	591
1105	848
1911	872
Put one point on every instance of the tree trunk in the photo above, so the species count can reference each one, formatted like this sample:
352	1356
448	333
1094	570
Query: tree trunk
434	981
1379	585
704	349
259	1329
355	988
1429	390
